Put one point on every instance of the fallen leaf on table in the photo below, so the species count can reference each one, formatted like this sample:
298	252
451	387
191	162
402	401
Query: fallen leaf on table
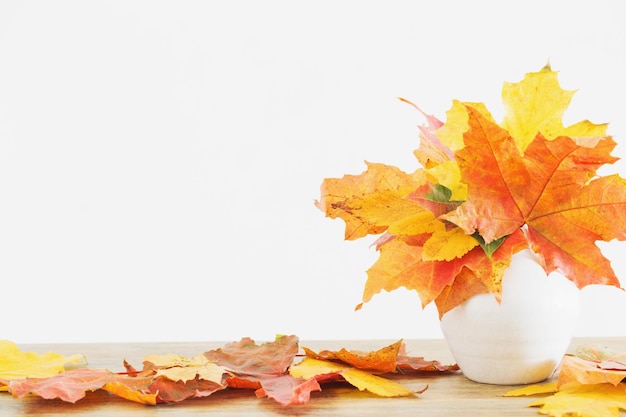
247	358
382	360
135	389
169	391
264	368
597	400
389	359
587	386
176	378
576	371
311	368
15	364
169	378
69	386
180	368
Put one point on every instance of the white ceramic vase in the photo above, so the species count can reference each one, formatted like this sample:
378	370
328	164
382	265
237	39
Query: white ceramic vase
521	340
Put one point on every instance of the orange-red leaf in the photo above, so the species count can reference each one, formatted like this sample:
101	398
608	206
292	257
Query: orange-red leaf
401	264
382	360
247	358
69	386
288	390
550	190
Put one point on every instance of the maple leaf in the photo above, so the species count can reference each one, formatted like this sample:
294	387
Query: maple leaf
170	391
401	264
592	400
180	368
363	201
15	364
577	371
537	104
382	360
548	189
599	400
69	386
263	368
363	380
451	132
135	389
388	359
246	358
585	386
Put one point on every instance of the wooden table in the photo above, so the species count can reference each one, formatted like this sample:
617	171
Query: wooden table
447	395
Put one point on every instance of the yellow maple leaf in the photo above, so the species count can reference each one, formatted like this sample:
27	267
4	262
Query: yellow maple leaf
536	105
15	364
181	368
597	400
446	245
451	133
362	380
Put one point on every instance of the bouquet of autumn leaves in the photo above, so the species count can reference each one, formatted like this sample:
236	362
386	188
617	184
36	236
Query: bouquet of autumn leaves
484	191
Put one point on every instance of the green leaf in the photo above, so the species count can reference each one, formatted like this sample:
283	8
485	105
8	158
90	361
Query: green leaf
490	247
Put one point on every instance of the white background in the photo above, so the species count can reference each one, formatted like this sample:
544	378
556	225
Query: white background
159	160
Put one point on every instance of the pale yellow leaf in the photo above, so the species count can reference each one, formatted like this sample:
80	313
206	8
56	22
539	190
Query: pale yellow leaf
15	364
207	372
537	105
181	368
170	359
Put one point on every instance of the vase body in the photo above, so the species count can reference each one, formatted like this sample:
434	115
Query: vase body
522	339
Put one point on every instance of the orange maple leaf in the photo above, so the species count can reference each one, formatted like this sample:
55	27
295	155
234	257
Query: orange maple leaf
363	201
551	189
382	360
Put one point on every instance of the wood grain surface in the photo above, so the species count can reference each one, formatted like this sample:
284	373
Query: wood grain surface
447	395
